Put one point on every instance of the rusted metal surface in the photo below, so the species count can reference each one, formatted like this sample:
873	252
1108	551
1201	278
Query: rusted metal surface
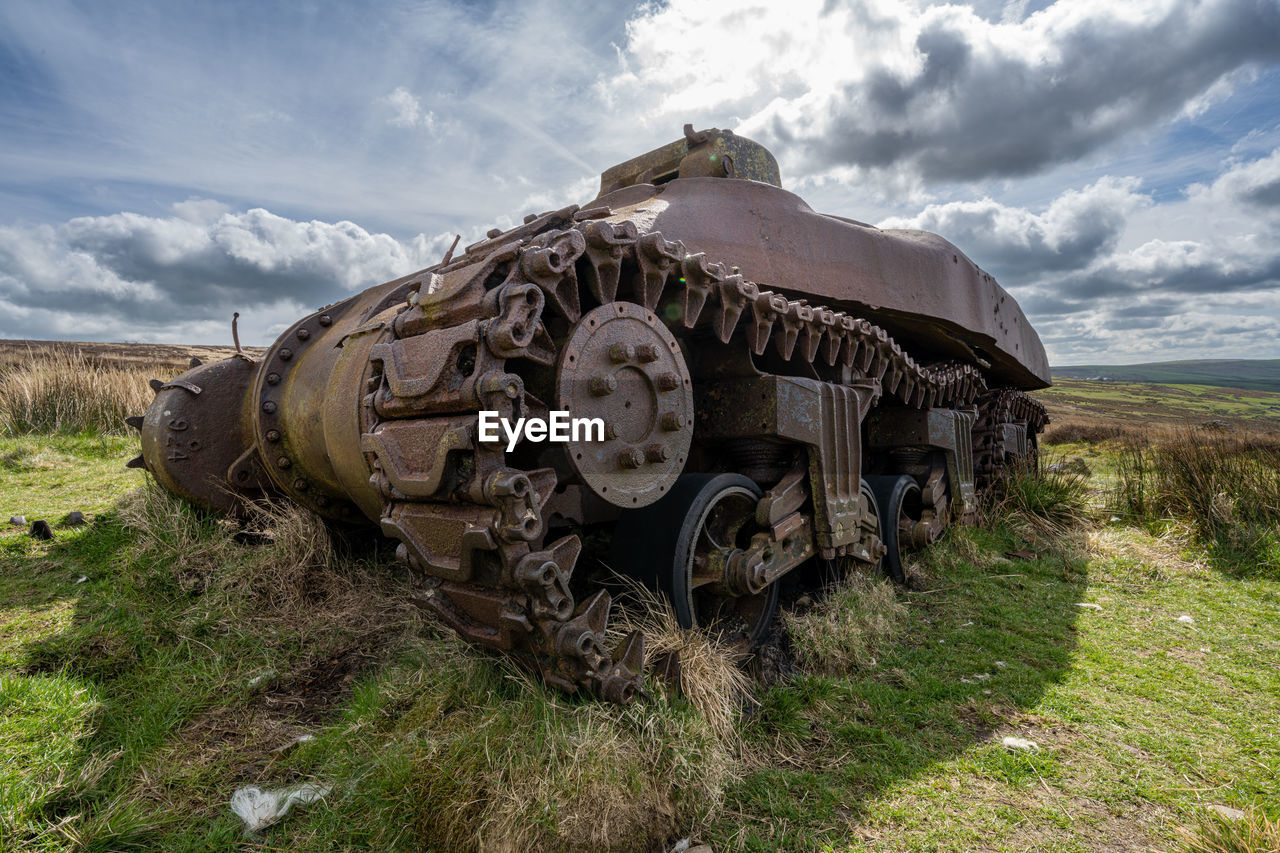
746	376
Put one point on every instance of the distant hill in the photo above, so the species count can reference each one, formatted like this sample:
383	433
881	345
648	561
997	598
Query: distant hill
1253	374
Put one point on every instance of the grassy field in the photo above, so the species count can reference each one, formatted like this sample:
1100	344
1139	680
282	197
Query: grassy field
151	663
1257	374
1139	405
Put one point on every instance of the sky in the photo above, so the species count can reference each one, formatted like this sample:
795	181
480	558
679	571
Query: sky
1116	165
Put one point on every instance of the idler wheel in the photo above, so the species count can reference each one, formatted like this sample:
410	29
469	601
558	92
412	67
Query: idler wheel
621	365
681	545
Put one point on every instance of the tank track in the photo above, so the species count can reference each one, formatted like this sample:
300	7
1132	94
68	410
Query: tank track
993	448
471	522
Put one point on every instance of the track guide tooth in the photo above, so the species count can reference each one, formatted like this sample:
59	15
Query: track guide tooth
156	385
136	462
134	421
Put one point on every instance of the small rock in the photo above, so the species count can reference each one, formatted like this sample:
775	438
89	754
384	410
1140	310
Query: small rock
18	520
1001	664
1205	649
986	692
1088	605
1186	620
982	676
1228	812
75	518
1018	744
804	601
40	529
967	624
701	848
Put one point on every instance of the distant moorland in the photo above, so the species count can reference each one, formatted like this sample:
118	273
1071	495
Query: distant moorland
1254	373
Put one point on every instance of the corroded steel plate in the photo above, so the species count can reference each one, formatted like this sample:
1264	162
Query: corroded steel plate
623	366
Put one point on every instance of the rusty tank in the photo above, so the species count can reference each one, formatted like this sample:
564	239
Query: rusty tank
761	390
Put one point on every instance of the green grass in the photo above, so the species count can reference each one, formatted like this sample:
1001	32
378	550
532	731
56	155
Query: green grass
127	714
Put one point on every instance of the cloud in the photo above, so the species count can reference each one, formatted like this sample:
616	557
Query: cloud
120	275
940	92
408	110
1079	226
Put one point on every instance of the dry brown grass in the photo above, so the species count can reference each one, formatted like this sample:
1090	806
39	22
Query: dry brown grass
296	581
1254	833
66	391
844	631
1068	430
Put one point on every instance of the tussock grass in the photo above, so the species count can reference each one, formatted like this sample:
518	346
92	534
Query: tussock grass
298	579
68	392
1254	833
1046	501
1224	486
846	629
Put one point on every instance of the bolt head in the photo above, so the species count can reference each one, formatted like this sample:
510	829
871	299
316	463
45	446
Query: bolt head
647	353
603	384
621	353
303	334
269	407
283	462
656	453
286	354
325	320
671	422
631	458
300	484
273	435
667	381
273	378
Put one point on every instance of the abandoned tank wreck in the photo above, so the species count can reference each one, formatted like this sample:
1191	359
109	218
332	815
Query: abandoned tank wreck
773	388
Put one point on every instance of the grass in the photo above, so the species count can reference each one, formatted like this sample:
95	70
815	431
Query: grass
186	665
69	392
1224	486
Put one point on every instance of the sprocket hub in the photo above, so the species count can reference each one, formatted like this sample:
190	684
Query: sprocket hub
622	365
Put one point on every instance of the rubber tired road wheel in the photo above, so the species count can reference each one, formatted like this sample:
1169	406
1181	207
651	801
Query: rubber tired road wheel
679	544
898	505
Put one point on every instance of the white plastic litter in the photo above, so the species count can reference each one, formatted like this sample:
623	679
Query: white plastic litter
1088	605
81	579
1018	744
1186	620
967	624
1115	518
265	675
260	809
1001	664
682	845
1228	812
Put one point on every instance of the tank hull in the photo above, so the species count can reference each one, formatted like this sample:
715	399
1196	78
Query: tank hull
916	285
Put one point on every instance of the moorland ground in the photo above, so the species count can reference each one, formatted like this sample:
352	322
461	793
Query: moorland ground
154	660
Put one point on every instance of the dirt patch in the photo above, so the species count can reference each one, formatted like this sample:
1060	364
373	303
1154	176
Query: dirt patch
314	694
